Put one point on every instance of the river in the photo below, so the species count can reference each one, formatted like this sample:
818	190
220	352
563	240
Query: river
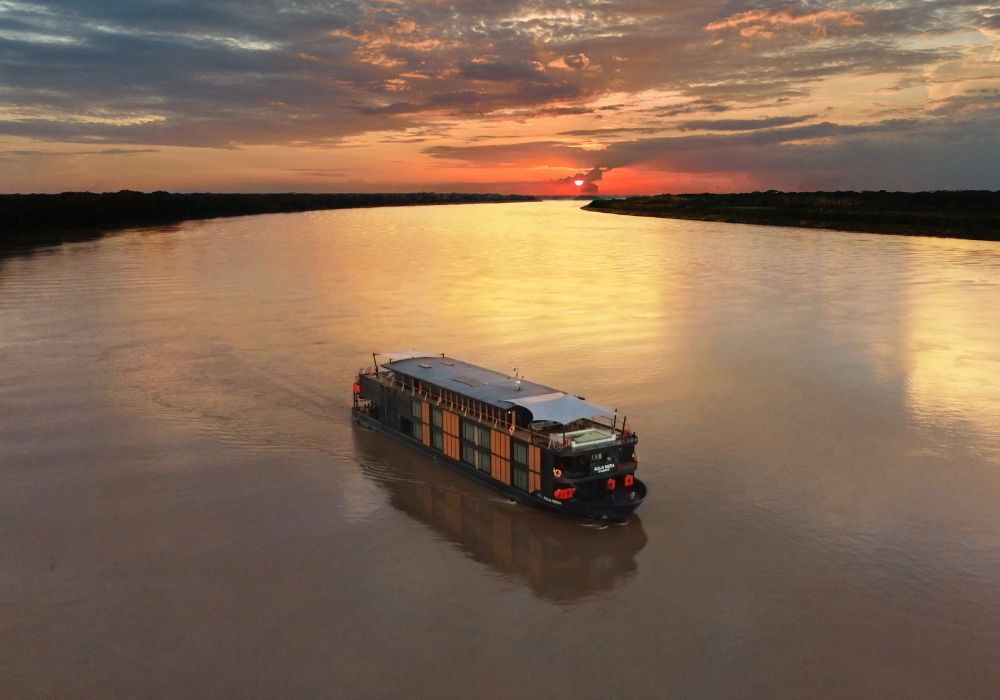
187	510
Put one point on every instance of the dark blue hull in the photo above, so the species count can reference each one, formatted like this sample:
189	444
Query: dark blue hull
616	506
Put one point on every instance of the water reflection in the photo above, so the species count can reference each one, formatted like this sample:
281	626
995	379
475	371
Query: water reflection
560	559
952	356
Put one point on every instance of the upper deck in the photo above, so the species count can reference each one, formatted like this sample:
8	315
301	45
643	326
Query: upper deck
549	417
493	388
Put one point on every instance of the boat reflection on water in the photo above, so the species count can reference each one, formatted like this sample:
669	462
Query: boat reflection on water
562	559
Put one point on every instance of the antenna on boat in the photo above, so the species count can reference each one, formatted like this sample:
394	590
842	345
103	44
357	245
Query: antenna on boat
375	360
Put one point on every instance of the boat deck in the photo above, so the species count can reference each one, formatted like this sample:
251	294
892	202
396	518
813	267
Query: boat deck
585	434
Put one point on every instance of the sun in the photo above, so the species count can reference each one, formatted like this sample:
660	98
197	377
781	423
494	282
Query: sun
578	183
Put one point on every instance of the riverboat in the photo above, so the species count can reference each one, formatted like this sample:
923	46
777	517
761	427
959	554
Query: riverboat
530	442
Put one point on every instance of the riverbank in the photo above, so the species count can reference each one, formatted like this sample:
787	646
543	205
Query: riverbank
30	221
971	214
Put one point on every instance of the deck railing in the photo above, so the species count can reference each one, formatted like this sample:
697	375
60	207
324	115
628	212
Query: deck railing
495	416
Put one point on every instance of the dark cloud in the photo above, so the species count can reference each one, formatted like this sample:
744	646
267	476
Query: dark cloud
740	124
563	111
587	180
531	153
968	101
692	107
479	101
989	20
936	154
613	131
891	154
64	154
744	152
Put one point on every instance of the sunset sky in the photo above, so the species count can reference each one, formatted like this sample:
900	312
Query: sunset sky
630	96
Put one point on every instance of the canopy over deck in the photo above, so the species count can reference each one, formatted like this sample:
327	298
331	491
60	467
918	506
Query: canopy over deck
561	408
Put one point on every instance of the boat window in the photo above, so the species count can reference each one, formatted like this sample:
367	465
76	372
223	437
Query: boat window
475	434
476	446
469	454
437	439
519	476
437	417
483	437
416	408
520	452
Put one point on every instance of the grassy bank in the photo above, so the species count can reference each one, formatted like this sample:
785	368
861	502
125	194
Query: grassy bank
973	214
32	220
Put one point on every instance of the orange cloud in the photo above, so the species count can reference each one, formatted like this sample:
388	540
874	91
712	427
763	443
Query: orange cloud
376	39
577	61
764	23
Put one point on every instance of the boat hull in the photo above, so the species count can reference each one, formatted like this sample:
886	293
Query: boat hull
617	507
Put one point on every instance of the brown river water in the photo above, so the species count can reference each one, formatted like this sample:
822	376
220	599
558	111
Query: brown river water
186	509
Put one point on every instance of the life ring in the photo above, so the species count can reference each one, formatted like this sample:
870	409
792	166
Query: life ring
557	473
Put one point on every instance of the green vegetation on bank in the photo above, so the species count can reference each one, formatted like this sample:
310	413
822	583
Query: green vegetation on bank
33	220
971	214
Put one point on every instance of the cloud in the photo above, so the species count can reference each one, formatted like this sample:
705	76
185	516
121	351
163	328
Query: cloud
890	154
576	61
319	172
975	100
65	154
691	107
629	78
277	71
895	154
764	23
500	70
741	124
587	180
614	131
479	101
531	153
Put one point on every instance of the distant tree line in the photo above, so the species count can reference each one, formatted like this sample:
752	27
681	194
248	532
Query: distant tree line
31	220
971	214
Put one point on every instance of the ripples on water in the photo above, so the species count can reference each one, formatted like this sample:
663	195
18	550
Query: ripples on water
187	509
